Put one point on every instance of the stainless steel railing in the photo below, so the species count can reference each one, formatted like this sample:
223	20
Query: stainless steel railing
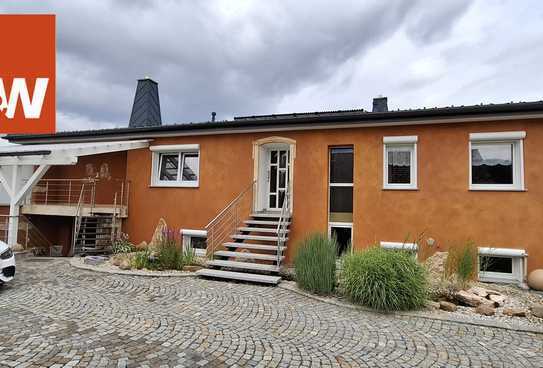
226	223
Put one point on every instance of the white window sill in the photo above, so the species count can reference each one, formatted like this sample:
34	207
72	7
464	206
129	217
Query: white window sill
400	188
498	277
412	247
495	189
175	185
191	232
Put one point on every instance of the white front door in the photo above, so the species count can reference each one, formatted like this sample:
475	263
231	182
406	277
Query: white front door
278	166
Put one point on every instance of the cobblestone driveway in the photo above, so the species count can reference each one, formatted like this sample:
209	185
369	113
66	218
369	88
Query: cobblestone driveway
55	315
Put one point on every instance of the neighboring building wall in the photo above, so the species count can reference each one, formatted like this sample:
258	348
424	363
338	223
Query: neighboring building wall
109	168
443	208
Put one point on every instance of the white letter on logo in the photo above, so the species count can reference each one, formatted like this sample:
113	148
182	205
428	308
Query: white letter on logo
3	99
31	109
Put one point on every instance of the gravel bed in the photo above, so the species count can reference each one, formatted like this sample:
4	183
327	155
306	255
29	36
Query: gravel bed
516	298
107	267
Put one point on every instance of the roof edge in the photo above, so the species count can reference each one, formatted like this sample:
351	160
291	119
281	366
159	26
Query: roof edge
304	121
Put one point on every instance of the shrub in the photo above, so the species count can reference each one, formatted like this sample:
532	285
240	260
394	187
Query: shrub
169	254
315	264
123	245
141	260
385	280
189	256
461	263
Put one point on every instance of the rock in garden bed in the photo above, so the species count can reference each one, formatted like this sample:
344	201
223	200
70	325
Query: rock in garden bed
497	302
447	306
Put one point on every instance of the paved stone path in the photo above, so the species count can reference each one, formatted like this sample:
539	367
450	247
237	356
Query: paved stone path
55	315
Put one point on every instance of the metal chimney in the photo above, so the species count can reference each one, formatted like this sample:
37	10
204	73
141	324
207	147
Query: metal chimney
380	104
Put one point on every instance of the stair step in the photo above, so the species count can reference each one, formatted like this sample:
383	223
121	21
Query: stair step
252	277
248	255
252	246
256	237
263	222
266	215
259	230
244	265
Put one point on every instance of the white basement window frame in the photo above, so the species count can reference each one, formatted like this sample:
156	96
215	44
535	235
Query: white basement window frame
515	140
189	237
400	144
412	248
518	259
183	152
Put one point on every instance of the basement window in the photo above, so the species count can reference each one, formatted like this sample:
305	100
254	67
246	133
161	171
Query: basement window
342	234
195	240
496	161
410	247
176	165
400	162
502	265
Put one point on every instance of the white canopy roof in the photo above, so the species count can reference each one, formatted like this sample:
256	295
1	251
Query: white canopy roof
61	153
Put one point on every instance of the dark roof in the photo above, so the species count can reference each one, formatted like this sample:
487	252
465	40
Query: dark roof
300	119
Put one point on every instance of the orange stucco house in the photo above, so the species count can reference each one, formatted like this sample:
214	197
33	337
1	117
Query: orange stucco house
248	190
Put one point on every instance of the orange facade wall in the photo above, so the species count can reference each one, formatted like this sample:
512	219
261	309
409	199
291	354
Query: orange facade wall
442	208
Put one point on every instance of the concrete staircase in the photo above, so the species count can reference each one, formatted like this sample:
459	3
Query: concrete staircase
253	254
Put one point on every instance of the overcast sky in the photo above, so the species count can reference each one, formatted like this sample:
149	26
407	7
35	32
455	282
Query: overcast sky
259	57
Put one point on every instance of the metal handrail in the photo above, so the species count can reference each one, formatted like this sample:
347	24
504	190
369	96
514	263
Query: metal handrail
77	219
282	226
227	221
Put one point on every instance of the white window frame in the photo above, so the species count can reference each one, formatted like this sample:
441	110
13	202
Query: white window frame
179	149
188	234
344	225
409	142
412	247
514	138
330	185
518	258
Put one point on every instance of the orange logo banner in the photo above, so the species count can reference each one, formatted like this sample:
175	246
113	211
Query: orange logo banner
27	74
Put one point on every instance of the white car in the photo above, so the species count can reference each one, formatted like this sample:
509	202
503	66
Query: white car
7	263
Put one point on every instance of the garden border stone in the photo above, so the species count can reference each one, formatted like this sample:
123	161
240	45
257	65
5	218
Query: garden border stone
78	262
435	315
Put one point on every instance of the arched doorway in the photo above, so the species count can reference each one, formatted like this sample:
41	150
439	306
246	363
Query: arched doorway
273	172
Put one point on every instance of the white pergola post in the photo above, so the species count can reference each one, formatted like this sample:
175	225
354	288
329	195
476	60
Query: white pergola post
17	194
13	227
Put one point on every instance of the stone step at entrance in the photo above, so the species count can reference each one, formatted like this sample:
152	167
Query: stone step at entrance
254	254
241	276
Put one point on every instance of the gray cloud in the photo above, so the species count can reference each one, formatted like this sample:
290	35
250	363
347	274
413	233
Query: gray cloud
248	57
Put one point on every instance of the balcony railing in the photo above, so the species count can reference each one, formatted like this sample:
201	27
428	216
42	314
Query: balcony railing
88	193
